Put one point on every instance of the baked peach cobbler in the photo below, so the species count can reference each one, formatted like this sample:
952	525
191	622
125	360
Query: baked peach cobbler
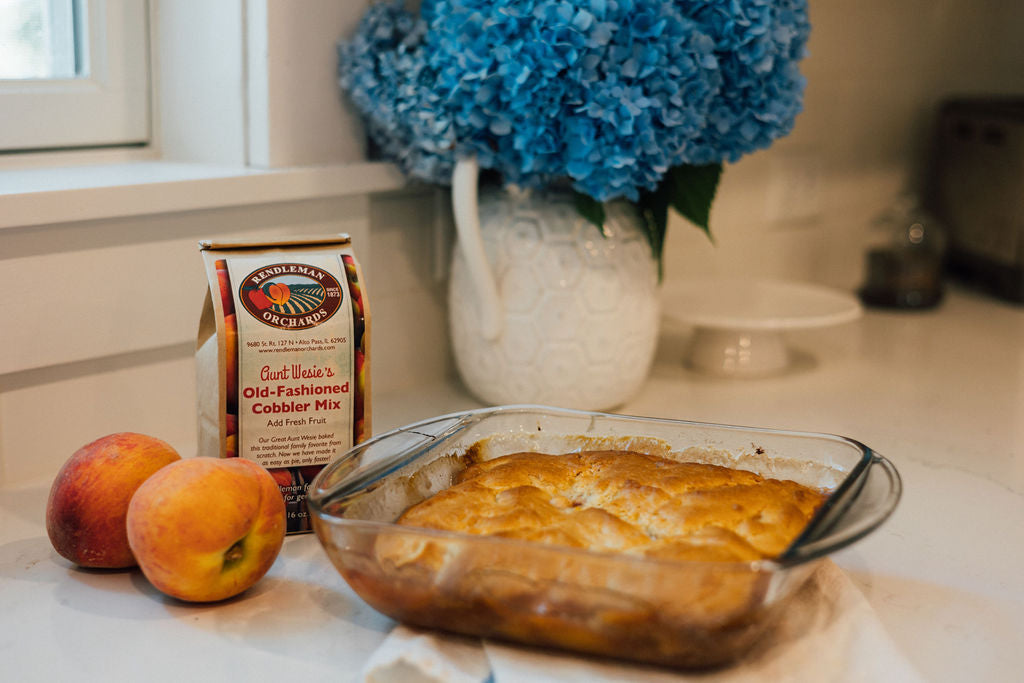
620	501
602	551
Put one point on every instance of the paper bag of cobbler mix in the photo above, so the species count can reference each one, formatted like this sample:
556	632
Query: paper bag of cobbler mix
283	358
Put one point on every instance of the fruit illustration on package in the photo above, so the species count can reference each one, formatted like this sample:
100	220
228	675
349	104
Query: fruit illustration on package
230	435
281	475
359	425
206	529
258	298
224	281
231	360
278	293
88	502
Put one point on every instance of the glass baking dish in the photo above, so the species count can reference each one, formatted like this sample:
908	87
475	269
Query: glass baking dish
680	614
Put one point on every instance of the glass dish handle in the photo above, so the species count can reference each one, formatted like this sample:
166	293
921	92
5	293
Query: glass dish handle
385	453
864	499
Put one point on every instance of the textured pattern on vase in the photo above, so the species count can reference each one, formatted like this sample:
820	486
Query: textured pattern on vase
581	311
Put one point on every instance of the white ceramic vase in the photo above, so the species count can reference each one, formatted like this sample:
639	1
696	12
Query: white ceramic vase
543	308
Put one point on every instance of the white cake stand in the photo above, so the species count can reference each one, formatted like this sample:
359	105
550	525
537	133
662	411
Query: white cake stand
739	324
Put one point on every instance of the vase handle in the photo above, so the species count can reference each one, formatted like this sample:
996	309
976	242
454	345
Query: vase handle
467	227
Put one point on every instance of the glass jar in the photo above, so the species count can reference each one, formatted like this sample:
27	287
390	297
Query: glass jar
905	256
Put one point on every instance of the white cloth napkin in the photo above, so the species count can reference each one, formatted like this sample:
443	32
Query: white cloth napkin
829	633
410	655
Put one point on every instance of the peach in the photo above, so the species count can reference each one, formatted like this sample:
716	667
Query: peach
88	502
206	529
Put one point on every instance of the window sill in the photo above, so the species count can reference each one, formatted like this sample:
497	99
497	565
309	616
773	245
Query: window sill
42	196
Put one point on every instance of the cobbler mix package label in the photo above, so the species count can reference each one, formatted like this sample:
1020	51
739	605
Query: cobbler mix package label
290	323
295	364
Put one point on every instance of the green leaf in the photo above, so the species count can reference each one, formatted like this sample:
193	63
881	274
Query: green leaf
691	189
592	210
653	207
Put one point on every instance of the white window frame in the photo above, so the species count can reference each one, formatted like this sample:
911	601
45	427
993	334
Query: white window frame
245	110
109	106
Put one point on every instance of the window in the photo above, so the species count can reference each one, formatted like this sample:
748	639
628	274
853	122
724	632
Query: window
73	73
40	39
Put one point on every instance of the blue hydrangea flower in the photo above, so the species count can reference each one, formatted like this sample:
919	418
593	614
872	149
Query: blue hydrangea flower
759	44
608	93
603	91
385	73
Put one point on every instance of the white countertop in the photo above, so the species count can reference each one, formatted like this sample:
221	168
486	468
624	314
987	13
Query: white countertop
939	393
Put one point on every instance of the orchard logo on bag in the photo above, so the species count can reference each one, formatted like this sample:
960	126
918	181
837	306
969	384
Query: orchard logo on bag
290	296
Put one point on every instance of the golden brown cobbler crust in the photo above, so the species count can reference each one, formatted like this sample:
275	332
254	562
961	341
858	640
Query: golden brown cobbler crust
621	501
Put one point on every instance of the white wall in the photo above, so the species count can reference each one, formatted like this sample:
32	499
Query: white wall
105	315
104	278
876	71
